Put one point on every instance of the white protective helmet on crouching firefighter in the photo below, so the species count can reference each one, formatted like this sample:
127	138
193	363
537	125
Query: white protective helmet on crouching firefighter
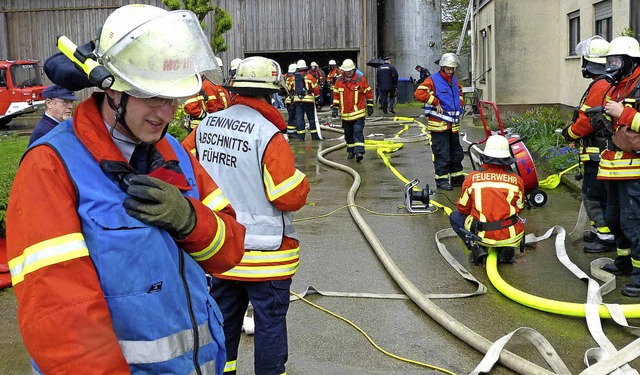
593	49
497	151
152	52
257	76
449	60
348	65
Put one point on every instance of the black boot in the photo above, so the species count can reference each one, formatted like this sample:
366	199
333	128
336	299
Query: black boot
620	266
599	246
505	255
443	185
631	290
478	254
457	181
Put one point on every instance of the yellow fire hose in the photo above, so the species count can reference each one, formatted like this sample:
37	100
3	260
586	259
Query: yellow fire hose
544	304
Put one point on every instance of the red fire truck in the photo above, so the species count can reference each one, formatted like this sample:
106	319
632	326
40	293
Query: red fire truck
20	89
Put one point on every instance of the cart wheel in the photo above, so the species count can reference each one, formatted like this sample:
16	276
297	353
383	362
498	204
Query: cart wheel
538	198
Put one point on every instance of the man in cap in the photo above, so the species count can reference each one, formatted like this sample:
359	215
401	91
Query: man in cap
387	78
112	226
59	102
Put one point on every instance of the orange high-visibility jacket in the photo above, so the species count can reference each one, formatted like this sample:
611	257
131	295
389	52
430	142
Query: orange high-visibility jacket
490	194
351	96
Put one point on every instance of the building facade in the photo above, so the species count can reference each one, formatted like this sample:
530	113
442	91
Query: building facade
524	51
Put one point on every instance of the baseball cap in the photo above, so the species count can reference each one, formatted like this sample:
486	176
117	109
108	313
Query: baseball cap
55	91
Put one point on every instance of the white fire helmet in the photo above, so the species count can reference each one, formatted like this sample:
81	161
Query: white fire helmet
292	68
257	75
497	146
449	60
302	65
332	62
219	61
234	63
348	65
155	53
593	49
624	45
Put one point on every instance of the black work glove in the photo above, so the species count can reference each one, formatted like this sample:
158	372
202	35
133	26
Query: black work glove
565	134
334	112
369	110
158	203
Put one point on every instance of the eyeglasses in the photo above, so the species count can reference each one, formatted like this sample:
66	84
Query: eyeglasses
157	102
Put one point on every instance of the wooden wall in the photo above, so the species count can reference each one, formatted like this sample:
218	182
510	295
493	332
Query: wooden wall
259	26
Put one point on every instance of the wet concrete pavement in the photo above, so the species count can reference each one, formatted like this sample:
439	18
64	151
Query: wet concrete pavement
336	257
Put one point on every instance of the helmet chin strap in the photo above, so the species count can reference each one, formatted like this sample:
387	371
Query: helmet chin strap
121	110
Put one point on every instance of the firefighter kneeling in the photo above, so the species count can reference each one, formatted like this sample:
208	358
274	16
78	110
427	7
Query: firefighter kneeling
488	208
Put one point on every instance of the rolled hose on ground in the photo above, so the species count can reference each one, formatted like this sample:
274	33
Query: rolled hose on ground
473	339
544	304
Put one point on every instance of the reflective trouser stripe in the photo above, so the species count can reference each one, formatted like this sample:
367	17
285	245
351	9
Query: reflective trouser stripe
230	366
635	263
624	252
164	348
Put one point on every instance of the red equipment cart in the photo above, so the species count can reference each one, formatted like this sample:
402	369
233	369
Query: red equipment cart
523	165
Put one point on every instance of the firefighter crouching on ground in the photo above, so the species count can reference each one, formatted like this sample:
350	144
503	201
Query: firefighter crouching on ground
107	260
443	100
306	90
491	200
211	98
257	172
621	169
351	95
591	136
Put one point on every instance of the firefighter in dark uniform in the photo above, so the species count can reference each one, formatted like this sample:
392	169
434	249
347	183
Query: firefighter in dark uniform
387	80
592	141
306	92
442	97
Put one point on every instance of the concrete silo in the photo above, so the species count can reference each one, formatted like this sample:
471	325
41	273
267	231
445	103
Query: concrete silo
411	34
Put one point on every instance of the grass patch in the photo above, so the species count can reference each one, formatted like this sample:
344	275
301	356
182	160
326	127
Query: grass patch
12	147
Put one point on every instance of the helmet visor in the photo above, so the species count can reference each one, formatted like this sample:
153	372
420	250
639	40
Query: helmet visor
614	63
162	57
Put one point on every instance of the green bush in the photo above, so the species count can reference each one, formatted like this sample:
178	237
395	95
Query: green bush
12	147
538	126
177	126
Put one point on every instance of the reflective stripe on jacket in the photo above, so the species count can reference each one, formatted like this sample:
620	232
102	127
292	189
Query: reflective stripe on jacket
150	286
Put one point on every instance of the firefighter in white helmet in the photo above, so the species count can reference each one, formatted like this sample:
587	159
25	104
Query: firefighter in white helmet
352	99
109	204
211	98
321	79
443	103
491	200
334	73
591	136
232	70
289	91
619	163
304	99
257	170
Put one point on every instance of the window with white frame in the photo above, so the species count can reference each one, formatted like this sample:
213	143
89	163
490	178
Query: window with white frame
603	18
574	31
